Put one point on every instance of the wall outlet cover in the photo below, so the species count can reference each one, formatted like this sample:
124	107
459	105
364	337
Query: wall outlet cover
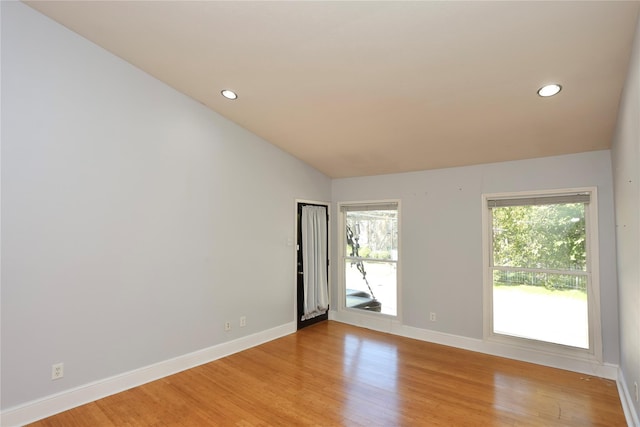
57	371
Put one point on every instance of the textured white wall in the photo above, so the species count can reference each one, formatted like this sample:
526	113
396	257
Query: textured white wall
134	220
441	234
626	172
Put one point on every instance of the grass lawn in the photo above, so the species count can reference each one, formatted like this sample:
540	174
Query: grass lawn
541	290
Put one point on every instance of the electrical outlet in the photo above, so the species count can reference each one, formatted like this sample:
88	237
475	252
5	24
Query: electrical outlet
227	326
635	385
57	371
243	321
432	316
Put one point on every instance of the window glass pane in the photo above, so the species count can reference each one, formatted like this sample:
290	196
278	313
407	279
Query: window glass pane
541	306
546	237
371	285
371	253
374	234
549	281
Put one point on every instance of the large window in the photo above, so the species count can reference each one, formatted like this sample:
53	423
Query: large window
540	286
370	257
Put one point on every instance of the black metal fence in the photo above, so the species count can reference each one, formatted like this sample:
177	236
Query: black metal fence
543	279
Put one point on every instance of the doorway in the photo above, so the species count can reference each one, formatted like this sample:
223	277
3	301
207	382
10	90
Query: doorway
315	242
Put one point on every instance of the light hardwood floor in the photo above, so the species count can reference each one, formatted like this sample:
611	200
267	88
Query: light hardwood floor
332	374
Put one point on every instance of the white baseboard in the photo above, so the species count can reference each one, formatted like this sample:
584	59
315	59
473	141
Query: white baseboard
602	370
66	400
627	402
60	402
583	366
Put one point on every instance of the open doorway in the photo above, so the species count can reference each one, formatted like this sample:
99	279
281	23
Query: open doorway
312	264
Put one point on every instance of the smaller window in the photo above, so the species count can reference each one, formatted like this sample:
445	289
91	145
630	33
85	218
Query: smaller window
370	259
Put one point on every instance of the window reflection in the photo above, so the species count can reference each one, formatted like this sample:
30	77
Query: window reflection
510	392
371	369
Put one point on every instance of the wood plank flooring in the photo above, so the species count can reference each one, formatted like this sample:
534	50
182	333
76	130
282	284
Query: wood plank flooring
332	374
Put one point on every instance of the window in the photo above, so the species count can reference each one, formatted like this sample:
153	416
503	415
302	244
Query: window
370	257
540	286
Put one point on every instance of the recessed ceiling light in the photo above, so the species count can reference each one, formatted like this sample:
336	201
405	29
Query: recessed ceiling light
549	90
229	94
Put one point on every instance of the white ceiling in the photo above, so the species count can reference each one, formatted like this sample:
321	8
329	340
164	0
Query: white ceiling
365	88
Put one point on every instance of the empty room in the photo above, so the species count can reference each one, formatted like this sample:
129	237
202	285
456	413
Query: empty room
320	213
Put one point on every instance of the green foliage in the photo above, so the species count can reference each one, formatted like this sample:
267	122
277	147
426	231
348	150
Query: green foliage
551	237
546	236
549	281
539	290
364	252
380	255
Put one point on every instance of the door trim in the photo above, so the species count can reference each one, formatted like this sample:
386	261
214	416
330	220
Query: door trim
296	245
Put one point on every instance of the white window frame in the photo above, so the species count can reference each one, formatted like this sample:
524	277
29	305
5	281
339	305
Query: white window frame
342	300
594	352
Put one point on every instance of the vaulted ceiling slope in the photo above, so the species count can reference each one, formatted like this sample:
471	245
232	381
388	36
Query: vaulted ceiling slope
365	88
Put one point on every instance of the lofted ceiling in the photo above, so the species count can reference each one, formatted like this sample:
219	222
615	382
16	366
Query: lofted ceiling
365	88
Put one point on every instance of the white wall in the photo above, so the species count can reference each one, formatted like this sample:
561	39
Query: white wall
626	172
135	221
128	212
441	234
